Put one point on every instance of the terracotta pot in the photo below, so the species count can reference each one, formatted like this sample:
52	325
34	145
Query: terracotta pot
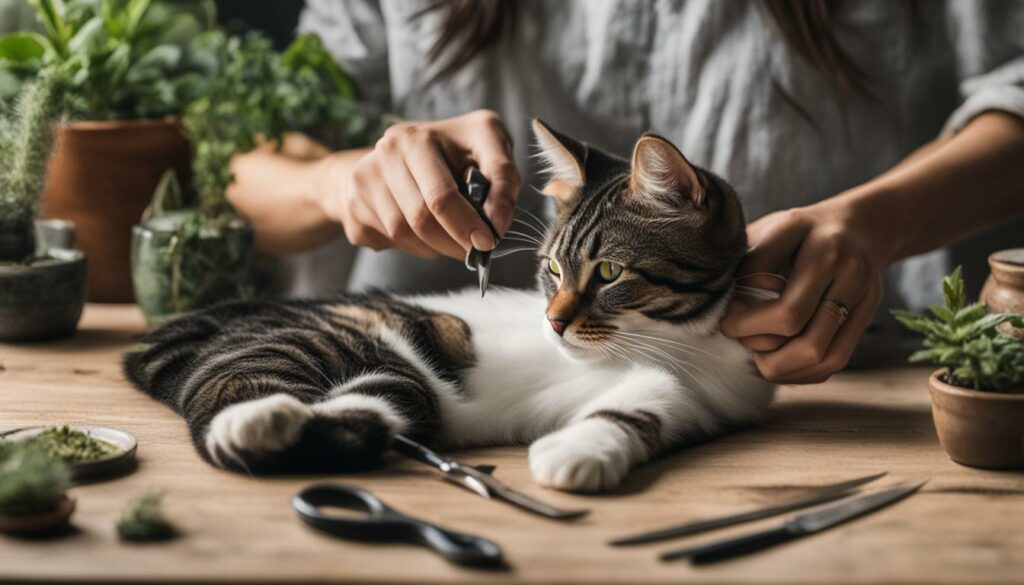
38	523
1004	290
101	178
979	429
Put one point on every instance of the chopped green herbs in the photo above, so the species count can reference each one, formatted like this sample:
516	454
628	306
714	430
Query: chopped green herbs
73	446
143	520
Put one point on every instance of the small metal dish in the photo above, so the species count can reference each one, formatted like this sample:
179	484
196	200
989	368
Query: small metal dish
97	469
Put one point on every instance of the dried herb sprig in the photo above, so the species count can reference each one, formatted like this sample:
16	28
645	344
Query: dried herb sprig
143	520
966	340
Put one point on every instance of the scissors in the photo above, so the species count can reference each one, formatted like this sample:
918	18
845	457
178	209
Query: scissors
479	480
383	523
475	189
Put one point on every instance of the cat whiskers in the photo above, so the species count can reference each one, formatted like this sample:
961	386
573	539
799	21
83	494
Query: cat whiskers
690	349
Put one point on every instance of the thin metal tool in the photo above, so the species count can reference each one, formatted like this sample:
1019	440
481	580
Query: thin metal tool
820	495
382	523
793	528
479	480
475	189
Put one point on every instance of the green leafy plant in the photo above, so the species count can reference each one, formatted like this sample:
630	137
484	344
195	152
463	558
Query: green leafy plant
965	338
143	520
26	142
31	481
131	58
197	254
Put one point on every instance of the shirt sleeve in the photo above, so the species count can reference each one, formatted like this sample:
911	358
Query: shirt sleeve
988	39
355	32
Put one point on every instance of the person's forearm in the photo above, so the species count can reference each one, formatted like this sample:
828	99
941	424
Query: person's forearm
947	190
280	193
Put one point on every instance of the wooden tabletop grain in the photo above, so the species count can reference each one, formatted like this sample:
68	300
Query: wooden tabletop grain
965	526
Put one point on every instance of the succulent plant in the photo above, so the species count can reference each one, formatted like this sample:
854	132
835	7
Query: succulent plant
965	338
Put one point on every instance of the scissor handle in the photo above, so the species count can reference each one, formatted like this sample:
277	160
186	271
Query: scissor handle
384	523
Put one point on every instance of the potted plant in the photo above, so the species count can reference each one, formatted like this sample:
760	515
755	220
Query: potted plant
188	256
41	289
33	489
134	73
978	394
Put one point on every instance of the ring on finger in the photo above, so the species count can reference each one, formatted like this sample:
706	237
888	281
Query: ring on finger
838	310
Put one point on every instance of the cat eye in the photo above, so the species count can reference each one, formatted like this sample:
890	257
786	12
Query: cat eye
609	271
554	267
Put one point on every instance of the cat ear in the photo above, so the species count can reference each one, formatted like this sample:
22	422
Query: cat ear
563	160
660	173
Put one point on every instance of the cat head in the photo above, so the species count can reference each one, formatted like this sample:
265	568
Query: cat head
637	246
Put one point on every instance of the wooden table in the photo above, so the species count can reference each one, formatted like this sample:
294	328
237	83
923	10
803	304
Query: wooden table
965	526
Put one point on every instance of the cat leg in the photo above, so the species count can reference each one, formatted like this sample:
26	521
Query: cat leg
626	425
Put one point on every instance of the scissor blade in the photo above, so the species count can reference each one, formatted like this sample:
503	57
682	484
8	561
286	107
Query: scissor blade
820	495
819	520
474	479
484	272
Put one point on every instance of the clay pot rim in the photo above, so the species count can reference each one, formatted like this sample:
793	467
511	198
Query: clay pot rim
936	383
114	125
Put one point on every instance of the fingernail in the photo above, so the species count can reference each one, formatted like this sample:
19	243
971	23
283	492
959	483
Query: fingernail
482	240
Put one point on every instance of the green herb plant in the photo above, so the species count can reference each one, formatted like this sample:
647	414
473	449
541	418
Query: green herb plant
143	520
31	481
256	96
965	339
26	142
131	58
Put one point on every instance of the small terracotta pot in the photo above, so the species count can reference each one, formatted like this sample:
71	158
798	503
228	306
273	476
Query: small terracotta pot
101	178
39	523
1004	290
979	429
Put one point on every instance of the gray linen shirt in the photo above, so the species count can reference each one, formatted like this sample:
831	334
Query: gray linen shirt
716	77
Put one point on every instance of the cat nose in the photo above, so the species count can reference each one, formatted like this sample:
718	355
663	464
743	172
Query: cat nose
558	325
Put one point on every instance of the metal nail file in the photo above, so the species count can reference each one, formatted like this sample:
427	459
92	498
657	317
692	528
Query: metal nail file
794	528
475	189
479	480
820	495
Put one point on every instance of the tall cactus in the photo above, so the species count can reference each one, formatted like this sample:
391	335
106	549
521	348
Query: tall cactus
26	142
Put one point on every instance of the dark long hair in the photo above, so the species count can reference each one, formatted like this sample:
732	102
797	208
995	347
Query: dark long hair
471	26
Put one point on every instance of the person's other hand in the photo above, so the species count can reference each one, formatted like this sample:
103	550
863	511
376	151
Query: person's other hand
833	271
402	194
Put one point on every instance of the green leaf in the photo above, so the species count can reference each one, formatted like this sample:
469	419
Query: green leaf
52	13
90	38
953	289
21	48
155	64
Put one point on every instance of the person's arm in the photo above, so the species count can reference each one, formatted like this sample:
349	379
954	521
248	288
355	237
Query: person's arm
401	193
834	252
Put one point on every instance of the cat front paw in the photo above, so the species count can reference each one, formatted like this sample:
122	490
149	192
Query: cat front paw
258	427
588	456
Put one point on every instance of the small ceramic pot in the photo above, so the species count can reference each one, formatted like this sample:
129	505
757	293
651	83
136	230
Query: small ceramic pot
44	299
1004	290
38	523
979	429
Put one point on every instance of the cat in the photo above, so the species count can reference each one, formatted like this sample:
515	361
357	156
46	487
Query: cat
615	359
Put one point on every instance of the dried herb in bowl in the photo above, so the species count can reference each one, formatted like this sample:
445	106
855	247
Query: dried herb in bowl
73	446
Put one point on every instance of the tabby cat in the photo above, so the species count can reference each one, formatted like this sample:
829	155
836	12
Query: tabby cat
615	359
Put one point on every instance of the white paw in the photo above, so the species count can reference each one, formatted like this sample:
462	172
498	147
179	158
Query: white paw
589	456
259	426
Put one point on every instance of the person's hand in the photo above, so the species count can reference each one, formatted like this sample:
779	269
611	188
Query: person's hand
833	267
402	194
